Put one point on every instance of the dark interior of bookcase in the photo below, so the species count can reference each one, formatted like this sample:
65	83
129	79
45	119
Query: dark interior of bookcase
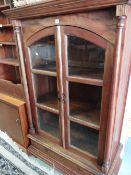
49	123
85	59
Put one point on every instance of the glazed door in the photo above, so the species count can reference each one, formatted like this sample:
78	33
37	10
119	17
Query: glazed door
87	60
70	70
45	66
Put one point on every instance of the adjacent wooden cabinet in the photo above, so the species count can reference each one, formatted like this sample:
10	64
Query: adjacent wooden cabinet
77	58
13	118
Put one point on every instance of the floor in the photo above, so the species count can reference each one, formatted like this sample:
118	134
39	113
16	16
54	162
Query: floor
126	163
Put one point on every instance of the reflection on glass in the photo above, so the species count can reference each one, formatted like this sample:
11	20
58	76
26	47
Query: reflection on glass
85	59
43	54
84	138
49	122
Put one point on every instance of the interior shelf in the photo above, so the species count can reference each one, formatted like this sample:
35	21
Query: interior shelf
7	43
12	89
85	72
48	103
10	73
85	104
84	114
85	80
46	67
9	61
44	72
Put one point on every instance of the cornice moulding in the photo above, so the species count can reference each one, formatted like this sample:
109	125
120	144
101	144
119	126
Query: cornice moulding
58	7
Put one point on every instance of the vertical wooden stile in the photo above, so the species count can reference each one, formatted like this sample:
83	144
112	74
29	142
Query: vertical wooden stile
60	83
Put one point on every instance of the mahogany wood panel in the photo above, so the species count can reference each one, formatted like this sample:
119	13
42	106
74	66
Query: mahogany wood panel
94	19
73	165
64	157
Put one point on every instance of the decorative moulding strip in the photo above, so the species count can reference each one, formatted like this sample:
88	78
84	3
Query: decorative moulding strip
58	7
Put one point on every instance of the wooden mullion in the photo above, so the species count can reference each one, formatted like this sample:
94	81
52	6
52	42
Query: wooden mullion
65	88
58	46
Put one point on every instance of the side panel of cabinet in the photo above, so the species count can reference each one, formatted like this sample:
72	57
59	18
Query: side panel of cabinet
125	73
14	121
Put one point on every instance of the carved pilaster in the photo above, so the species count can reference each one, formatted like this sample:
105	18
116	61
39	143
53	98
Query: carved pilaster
17	31
118	52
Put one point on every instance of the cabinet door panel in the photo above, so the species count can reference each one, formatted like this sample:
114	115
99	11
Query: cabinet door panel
68	74
83	65
44	65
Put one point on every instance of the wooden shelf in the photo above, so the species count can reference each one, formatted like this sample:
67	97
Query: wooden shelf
85	114
4	7
9	61
12	89
44	72
48	103
6	26
8	43
91	81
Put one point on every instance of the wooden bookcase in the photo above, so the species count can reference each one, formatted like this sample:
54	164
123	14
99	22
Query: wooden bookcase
12	97
77	60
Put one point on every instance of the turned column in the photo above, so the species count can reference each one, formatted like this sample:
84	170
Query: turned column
118	52
17	31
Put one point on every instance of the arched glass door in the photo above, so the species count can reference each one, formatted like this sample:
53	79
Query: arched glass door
67	66
84	69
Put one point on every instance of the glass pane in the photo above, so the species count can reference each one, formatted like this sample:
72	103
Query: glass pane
85	103
84	138
49	122
46	90
85	59
43	54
